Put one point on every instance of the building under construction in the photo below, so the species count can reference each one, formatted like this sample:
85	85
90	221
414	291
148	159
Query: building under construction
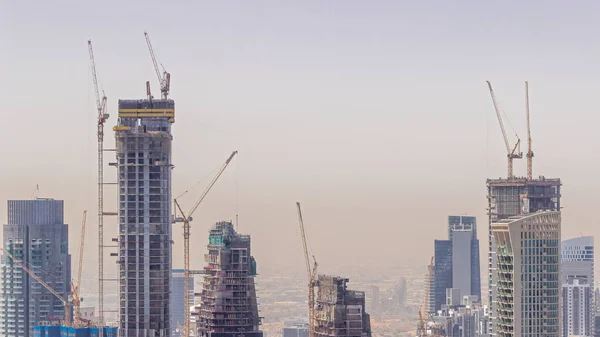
339	311
143	141
228	305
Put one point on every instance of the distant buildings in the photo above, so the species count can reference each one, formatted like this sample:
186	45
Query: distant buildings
461	317
456	261
340	311
528	269
297	330
178	301
37	235
577	277
228	306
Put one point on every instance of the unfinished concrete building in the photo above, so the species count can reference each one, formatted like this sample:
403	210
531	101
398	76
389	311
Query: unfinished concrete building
339	311
143	148
512	197
228	305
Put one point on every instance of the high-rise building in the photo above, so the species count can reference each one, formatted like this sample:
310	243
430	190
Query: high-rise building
143	147
528	275
577	277
375	297
178	301
399	295
509	197
296	330
340	311
228	306
37	235
576	301
457	260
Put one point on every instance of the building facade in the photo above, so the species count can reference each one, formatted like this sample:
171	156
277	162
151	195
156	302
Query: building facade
577	277
178	301
36	235
509	197
143	147
456	264
528	275
228	304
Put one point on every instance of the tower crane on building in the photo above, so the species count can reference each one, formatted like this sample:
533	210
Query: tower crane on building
529	150
312	276
515	151
186	219
68	304
165	78
76	287
422	327
102	118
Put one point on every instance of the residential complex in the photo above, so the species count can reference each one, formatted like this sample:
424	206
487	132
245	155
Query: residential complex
528	275
577	277
228	304
143	147
36	235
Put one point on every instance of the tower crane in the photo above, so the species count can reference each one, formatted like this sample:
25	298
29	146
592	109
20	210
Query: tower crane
515	152
422	328
529	150
68	305
186	219
102	117
165	78
75	288
312	276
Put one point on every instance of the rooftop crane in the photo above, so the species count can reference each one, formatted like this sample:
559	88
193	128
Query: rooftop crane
186	240
312	277
67	303
516	150
422	328
75	288
529	150
165	78
102	118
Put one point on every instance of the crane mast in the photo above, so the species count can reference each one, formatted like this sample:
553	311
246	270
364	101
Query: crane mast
186	219
312	276
165	78
515	152
76	288
67	304
102	117
529	149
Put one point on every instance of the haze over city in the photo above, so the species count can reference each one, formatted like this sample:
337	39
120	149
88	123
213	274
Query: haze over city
375	115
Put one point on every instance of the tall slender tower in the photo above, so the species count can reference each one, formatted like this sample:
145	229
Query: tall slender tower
143	140
528	288
37	235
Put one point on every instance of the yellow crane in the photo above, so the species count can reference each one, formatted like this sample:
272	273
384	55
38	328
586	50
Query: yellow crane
515	152
165	78
422	328
186	219
529	150
75	288
67	303
312	277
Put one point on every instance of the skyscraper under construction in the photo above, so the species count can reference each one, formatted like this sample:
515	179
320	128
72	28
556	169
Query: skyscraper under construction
143	146
228	306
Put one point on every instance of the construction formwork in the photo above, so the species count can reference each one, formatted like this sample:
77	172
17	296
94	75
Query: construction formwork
512	197
228	304
143	147
339	311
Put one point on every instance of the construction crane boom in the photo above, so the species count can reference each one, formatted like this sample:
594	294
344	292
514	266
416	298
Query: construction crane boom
76	288
529	147
165	79
102	118
312	276
515	152
186	219
67	304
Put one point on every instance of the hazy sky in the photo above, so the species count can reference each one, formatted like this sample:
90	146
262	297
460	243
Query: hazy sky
374	114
